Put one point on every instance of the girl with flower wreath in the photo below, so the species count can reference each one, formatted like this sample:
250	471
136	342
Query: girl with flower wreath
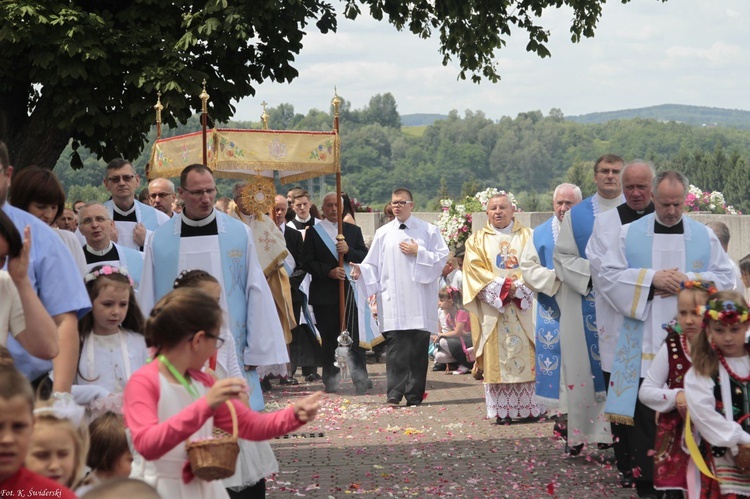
716	388
456	338
112	344
663	388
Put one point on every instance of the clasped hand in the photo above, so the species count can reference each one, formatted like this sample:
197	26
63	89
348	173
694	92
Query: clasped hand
667	282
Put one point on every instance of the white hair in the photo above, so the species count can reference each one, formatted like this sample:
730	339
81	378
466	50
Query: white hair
572	187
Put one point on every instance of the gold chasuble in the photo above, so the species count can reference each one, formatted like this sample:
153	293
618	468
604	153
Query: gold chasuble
504	342
271	249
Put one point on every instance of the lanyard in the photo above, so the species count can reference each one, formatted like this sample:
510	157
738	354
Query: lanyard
188	386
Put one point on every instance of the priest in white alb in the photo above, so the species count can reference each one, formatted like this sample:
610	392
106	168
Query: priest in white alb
641	276
581	368
636	186
203	238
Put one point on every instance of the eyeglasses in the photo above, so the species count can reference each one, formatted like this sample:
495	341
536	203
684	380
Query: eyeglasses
116	179
160	195
401	203
609	171
219	339
90	220
199	193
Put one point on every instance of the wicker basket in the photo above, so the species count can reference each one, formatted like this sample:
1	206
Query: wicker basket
215	458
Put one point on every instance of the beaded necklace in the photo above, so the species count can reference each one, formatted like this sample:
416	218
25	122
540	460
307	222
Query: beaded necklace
734	375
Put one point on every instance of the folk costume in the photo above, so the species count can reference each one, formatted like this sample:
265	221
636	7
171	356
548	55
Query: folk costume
664	380
708	400
125	221
538	272
504	342
581	370
406	287
225	248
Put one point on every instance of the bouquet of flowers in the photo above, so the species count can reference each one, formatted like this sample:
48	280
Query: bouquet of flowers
712	202
455	220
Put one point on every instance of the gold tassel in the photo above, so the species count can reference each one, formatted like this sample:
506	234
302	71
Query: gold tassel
619	419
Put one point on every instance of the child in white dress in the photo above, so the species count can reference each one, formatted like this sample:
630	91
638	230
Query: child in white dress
112	343
256	460
170	401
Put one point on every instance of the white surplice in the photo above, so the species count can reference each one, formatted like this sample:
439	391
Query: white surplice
586	422
406	285
608	319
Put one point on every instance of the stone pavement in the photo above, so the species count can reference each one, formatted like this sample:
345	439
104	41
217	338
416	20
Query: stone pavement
443	448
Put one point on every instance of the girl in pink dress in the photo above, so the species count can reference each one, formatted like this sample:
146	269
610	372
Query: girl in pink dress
170	401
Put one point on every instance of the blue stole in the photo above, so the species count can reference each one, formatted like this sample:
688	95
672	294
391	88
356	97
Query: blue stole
626	370
233	244
369	334
547	335
133	262
583	225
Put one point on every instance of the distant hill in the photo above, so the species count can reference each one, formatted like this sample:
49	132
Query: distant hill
691	115
421	119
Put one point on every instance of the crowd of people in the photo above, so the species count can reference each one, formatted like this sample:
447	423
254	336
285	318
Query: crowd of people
141	327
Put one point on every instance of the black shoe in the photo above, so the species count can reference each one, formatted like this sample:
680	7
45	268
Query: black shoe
393	401
361	389
573	451
311	378
438	367
288	381
506	421
602	446
265	385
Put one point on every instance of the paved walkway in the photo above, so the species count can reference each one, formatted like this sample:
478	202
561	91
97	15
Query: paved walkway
443	448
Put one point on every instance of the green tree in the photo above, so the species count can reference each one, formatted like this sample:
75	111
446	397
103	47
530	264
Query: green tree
90	70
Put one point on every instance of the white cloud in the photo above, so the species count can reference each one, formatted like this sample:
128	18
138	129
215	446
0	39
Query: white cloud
643	53
718	53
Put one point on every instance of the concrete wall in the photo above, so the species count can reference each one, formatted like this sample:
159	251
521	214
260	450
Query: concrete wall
739	226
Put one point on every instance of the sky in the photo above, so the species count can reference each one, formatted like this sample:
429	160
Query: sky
644	53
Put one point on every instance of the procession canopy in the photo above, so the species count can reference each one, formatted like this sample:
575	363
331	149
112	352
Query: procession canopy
233	153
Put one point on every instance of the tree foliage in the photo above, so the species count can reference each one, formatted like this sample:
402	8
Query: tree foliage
89	70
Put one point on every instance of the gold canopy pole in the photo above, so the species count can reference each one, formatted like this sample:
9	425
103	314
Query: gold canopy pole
340	237
204	121
158	107
264	117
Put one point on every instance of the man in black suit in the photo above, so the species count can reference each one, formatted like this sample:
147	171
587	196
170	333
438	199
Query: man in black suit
304	350
320	260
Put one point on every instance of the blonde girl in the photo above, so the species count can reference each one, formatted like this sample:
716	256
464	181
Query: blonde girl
59	442
716	388
256	459
456	337
112	344
109	456
663	387
170	401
